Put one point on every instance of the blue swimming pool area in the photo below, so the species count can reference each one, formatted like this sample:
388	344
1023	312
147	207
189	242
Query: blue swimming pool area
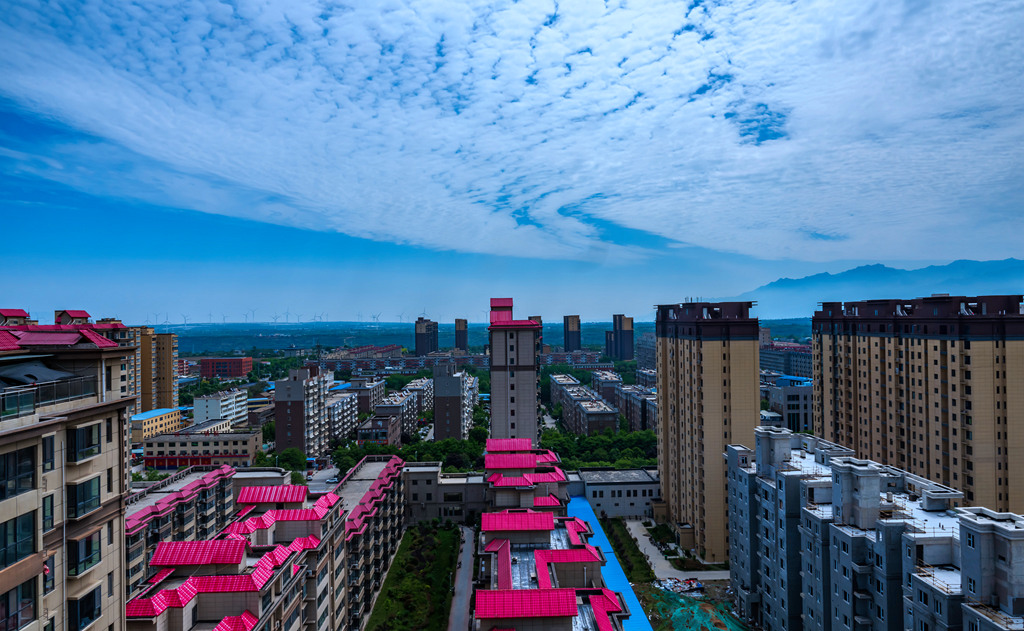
612	572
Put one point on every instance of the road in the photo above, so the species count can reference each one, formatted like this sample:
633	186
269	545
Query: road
459	619
661	566
319	482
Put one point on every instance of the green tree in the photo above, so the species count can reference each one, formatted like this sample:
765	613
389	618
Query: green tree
478	435
298	478
292	459
268	431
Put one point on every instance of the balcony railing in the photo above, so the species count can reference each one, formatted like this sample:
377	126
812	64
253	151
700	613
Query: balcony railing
23	400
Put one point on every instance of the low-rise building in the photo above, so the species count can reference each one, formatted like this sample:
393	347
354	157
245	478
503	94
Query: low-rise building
284	562
224	367
647	377
187	449
380	429
230	405
423	390
370	391
154	422
639	405
624	493
342	415
401	404
604	383
792	398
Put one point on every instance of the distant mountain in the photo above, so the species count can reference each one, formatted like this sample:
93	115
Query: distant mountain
799	297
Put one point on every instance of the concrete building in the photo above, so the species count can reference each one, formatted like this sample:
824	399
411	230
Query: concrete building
647	377
224	367
639	405
154	422
646	352
824	541
571	333
514	383
342	416
229	405
190	505
426	336
461	334
604	382
619	341
431	494
453	403
792	398
186	449
928	385
788	359
63	477
401	404
287	561
300	412
423	391
380	429
369	392
583	410
627	493
708	397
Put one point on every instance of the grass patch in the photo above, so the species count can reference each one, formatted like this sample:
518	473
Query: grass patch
633	562
416	593
662	533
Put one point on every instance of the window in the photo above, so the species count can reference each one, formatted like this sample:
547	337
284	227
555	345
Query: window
84	553
47	453
970	540
47	513
17	472
83	442
110	533
110	585
48	575
85	610
19	606
83	498
110	480
110	430
17	539
970	585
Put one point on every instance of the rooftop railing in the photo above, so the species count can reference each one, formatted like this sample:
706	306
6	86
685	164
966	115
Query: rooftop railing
24	400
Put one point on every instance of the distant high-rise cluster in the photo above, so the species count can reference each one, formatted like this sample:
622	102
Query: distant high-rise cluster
571	327
618	343
426	336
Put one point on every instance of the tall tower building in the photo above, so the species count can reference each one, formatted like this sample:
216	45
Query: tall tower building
514	385
461	334
708	397
300	412
571	333
619	341
159	369
930	385
426	336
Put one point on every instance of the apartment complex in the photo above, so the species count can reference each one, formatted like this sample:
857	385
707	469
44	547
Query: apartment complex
571	333
369	392
583	410
927	385
229	405
708	397
646	351
300	412
426	336
514	381
198	446
461	334
154	422
342	415
639	405
402	405
285	561
788	358
792	398
160	369
63	451
604	382
380	429
618	343
647	377
454	398
224	367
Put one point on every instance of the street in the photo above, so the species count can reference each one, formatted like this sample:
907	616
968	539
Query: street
319	482
459	618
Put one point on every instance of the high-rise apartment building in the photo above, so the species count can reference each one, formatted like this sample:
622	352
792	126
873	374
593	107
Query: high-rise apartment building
461	334
300	412
646	351
571	333
63	479
930	385
426	336
514	383
618	343
453	411
229	405
708	397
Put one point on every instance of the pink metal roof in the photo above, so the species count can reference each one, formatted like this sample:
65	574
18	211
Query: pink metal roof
506	521
510	461
272	494
549	500
39	338
8	342
604	604
13	313
512	324
501	303
586	554
198	552
525	603
77	313
245	622
502	549
161	575
547	456
495	445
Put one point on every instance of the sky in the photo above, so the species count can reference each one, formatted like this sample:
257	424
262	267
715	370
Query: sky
203	159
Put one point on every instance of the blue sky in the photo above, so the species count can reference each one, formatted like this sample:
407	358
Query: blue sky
394	157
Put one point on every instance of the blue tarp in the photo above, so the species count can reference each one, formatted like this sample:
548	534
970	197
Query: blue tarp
612	572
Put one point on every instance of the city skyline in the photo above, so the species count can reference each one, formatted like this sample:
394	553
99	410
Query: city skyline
205	153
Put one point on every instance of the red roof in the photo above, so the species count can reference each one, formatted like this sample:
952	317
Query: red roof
272	494
77	313
506	521
8	342
97	339
513	324
510	461
549	500
13	313
501	302
198	552
526	603
245	622
508	444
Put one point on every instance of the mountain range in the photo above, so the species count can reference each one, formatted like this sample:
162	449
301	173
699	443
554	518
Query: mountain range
799	297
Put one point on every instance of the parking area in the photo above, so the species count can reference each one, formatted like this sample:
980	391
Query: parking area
321	482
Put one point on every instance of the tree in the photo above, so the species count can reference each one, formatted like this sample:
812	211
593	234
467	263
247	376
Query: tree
298	478
268	431
261	460
478	435
292	459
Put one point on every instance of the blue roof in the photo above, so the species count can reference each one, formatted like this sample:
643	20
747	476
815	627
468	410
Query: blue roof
148	415
344	385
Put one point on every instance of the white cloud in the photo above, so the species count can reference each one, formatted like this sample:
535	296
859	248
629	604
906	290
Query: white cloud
813	130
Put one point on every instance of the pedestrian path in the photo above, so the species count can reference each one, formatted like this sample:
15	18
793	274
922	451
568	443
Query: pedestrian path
459	617
663	567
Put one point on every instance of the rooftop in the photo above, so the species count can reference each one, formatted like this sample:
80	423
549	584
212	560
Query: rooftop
227	551
619	476
272	494
153	413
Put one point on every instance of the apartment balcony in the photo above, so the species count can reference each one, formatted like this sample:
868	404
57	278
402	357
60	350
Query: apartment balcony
25	400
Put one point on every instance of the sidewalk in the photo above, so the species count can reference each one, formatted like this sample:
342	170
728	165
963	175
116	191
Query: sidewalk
661	566
459	618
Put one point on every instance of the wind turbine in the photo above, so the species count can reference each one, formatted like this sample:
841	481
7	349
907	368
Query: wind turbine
225	319
185	319
275	317
376	317
253	312
210	316
286	314
298	317
148	321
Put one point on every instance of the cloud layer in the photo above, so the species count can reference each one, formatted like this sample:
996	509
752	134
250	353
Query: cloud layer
813	130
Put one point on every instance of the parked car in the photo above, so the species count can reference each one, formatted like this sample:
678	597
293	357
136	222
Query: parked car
333	480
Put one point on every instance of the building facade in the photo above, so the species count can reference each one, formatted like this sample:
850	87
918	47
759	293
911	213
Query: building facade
646	351
619	341
928	385
204	448
426	336
224	367
229	405
708	397
453	403
626	493
572	340
514	377
461	334
154	422
300	412
792	398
